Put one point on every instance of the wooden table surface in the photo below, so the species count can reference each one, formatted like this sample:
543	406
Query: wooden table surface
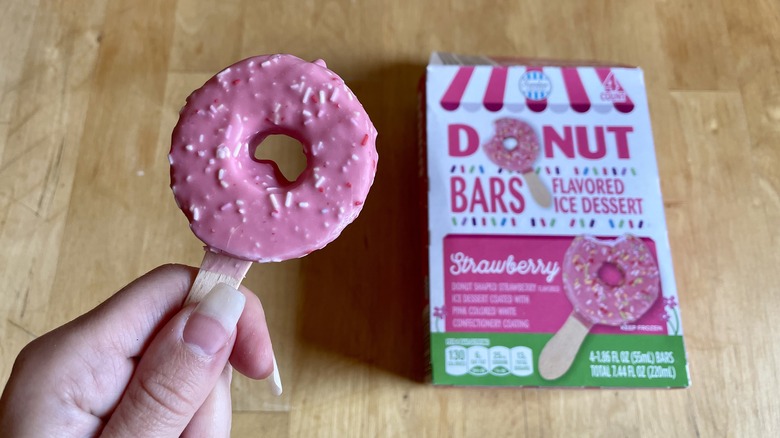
89	93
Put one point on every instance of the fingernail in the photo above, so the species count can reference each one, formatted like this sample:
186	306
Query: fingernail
214	320
275	381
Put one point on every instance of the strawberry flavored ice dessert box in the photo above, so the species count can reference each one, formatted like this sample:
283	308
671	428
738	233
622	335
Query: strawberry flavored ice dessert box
548	254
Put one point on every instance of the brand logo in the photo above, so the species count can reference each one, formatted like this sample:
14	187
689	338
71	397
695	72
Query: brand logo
535	85
613	92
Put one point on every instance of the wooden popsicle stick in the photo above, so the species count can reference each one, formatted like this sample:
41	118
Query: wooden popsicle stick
538	190
217	268
559	353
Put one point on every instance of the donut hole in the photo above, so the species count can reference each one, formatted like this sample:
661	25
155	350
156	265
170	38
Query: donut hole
283	152
611	275
510	143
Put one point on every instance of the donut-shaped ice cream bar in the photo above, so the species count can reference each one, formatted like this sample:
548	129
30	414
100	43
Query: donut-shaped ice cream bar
243	207
611	282
515	146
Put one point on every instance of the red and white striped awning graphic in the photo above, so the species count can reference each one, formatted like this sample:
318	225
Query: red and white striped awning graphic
498	87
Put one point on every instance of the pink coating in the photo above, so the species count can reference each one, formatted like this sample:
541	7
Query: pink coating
610	282
244	207
515	145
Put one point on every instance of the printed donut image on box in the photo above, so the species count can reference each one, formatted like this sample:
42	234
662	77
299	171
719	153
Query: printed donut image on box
548	254
516	147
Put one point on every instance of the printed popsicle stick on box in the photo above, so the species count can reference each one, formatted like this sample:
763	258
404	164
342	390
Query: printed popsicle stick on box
548	258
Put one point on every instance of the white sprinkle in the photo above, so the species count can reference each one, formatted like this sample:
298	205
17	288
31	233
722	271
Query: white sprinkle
223	152
189	147
239	202
229	130
303	204
322	96
241	211
276	113
265	63
201	153
220	174
212	109
200	139
341	210
189	178
170	159
320	113
195	214
139	173
223	72
354	121
320	182
288	199
354	157
274	201
295	86
306	113
220	107
334	94
251	63
308	121
237	150
223	184
221	130
225	207
257	245
324	211
200	111
243	219
211	161
343	169
306	94
245	118
327	225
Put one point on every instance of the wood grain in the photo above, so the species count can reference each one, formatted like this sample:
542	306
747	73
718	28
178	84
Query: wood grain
89	93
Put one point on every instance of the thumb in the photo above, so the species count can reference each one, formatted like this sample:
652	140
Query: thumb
179	368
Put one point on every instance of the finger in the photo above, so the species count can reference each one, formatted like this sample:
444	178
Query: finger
180	368
253	353
214	417
128	320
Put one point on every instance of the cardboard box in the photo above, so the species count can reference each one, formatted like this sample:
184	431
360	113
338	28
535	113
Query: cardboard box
549	260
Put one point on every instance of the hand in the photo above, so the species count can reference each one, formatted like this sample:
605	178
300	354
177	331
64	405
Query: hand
140	364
